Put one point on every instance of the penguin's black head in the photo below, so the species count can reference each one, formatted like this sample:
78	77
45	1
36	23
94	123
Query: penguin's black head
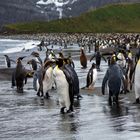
66	60
6	55
93	65
20	58
59	62
35	54
61	55
48	63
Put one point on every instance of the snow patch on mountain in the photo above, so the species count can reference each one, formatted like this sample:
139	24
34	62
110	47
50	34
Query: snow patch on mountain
58	4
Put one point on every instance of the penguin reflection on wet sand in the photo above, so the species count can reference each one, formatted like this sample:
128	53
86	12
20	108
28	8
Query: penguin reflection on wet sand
91	77
113	78
64	86
83	59
19	76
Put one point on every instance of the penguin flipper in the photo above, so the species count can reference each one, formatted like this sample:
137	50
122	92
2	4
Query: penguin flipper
13	80
71	88
12	60
89	78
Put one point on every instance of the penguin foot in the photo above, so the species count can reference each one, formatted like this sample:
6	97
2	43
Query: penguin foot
69	111
137	101
83	67
79	97
38	94
47	96
19	90
62	110
127	90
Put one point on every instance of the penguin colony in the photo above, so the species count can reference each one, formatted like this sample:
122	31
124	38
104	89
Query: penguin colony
58	72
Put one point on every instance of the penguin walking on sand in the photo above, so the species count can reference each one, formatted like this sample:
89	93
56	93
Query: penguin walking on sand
91	77
19	76
83	59
64	86
113	78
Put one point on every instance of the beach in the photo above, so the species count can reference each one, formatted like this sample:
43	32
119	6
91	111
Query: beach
27	116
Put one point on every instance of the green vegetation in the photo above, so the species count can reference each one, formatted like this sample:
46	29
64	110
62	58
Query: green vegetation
113	18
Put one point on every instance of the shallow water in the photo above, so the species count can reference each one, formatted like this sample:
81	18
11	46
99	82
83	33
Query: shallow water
26	116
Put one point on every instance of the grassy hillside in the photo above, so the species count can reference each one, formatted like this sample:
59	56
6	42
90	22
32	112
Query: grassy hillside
112	18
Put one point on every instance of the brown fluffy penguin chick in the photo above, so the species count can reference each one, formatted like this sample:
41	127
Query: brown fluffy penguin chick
83	59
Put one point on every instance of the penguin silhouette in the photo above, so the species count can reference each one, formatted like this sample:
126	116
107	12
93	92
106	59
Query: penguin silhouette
83	59
7	60
91	77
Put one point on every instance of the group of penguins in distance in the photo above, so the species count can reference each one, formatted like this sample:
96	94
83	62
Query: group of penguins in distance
59	72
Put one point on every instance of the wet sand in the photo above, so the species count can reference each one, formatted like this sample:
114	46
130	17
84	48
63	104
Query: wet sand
26	116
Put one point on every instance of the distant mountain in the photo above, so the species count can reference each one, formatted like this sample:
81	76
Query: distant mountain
12	11
124	18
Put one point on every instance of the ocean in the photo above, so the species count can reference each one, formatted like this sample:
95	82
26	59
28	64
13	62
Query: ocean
11	46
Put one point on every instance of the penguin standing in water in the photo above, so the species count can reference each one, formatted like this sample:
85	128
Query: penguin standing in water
44	79
74	77
64	86
91	77
37	56
114	76
33	63
137	82
19	76
83	59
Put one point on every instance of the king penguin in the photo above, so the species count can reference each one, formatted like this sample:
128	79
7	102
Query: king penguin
113	78
44	79
37	56
74	77
137	82
91	76
64	86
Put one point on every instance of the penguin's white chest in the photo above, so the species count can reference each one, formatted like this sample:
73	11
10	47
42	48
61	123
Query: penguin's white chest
48	80
62	88
137	80
137	74
60	79
94	75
